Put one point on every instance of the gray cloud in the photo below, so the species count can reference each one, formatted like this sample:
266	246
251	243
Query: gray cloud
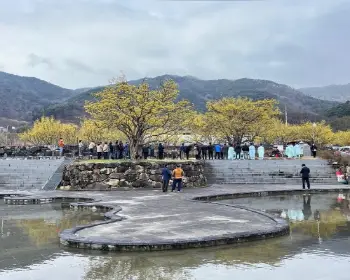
36	60
87	42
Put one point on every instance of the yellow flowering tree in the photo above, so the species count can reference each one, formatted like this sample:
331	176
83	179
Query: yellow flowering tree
139	112
47	131
342	138
318	133
235	118
95	131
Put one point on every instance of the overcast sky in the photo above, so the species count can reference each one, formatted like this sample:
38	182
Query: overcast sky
82	43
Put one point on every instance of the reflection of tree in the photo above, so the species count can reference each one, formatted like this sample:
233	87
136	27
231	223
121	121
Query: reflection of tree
136	268
328	225
268	251
176	265
42	232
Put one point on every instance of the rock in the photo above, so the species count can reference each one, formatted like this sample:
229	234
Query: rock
139	168
130	175
82	167
143	177
158	185
137	184
96	171
98	186
114	176
113	182
103	171
156	178
124	184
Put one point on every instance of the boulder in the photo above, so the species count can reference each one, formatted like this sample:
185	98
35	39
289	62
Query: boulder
113	182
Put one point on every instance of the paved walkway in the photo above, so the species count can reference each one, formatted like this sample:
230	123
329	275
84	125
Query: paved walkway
162	221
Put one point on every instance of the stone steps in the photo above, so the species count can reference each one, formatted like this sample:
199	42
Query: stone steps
26	174
267	172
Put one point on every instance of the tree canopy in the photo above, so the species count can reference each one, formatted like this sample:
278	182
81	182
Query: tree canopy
234	118
47	131
139	112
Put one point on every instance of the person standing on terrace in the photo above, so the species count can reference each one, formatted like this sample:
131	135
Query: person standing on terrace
61	146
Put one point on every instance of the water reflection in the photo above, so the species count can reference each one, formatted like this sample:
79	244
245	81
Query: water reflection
319	235
29	233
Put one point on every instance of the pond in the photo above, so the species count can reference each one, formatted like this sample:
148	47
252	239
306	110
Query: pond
318	247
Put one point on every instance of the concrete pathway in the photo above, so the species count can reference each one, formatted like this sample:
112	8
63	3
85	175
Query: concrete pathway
152	220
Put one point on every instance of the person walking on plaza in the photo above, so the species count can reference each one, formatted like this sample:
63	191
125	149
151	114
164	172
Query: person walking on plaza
211	151
231	152
178	174
252	151
187	151
80	148
245	150
145	151
313	149
111	150
204	149
297	150
105	150
238	150
61	146
198	151
99	150
126	150
160	151
91	148
224	151
305	176
121	150
182	150
166	176
217	151
261	151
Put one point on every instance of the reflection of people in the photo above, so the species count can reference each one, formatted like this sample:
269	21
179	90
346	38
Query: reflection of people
307	207
317	215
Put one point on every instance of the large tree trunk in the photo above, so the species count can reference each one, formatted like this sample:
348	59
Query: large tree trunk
133	149
135	143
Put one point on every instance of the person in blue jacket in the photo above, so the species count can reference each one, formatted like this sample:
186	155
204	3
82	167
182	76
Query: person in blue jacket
217	151
166	176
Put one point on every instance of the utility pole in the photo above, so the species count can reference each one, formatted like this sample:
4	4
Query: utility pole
285	114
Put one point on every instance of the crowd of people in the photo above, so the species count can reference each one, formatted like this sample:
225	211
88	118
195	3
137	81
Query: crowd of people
105	150
237	151
226	151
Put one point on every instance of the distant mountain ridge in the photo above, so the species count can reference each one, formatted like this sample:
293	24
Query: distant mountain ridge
339	93
20	96
28	98
299	106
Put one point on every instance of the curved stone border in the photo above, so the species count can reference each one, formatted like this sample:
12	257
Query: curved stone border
32	199
224	196
68	237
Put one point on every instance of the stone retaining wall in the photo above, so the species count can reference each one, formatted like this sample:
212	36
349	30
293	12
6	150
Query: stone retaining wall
126	175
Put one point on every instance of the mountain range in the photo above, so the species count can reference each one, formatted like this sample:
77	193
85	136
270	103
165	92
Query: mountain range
27	98
340	93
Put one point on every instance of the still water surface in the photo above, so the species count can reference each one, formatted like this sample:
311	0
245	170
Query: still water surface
318	247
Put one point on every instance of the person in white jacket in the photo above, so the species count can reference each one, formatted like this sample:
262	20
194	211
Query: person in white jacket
99	150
